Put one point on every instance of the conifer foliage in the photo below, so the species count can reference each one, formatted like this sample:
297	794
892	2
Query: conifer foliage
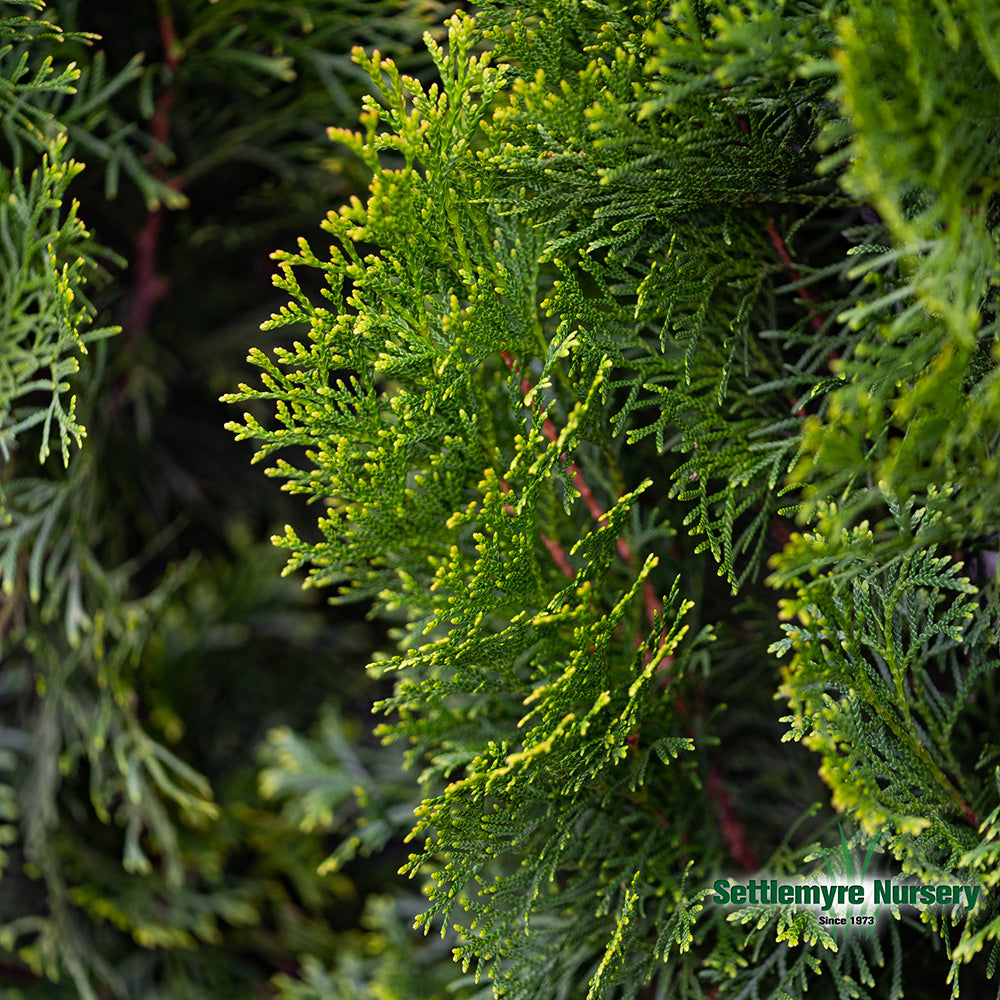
655	378
140	614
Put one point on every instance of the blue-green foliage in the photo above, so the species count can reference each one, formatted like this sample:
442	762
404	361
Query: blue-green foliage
636	281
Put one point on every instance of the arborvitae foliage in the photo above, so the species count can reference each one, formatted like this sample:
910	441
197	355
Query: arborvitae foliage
646	295
147	640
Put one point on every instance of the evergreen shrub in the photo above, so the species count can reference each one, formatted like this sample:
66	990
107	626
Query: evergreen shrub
150	156
652	394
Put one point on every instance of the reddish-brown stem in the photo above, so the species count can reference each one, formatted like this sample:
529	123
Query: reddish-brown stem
730	825
818	319
597	512
150	286
557	552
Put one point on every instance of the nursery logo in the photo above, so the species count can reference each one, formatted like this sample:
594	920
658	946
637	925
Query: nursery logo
844	896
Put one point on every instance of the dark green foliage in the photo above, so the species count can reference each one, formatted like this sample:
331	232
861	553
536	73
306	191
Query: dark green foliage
636	283
148	643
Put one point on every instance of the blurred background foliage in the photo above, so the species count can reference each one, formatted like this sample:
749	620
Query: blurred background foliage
169	702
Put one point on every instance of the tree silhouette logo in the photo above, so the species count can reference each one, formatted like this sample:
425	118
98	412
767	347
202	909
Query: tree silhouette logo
854	920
